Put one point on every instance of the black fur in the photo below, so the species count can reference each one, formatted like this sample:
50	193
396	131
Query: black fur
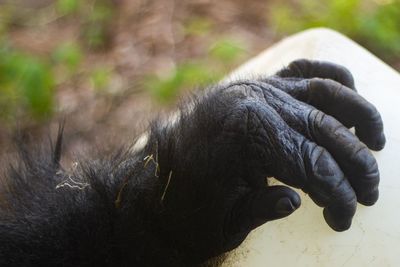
198	186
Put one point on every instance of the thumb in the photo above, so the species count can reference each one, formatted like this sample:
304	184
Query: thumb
261	206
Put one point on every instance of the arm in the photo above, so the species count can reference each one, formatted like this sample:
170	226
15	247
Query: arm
198	187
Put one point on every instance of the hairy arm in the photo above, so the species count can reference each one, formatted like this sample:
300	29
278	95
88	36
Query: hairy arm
198	185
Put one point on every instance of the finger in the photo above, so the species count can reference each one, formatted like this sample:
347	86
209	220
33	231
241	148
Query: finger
303	164
345	105
261	206
353	157
328	187
304	68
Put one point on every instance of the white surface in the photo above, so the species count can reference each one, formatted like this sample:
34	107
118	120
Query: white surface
304	239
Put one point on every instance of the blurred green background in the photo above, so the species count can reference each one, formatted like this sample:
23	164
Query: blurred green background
105	62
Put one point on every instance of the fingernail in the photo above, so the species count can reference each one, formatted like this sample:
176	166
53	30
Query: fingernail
284	206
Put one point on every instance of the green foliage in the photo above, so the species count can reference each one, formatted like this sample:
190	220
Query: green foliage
36	83
67	6
100	78
68	54
221	55
27	81
375	24
97	24
226	50
381	30
26	84
186	75
95	16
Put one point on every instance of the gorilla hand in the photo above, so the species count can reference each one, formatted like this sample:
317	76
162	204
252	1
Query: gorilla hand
213	160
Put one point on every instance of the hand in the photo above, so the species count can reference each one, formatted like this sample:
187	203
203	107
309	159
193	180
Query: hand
293	126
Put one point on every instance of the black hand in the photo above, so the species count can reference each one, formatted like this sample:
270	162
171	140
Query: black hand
353	156
292	127
295	159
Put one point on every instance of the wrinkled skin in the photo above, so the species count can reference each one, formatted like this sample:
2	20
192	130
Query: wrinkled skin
292	126
198	186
